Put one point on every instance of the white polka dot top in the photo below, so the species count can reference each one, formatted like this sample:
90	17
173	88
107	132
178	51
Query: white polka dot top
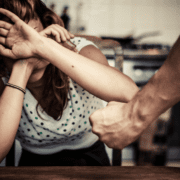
72	131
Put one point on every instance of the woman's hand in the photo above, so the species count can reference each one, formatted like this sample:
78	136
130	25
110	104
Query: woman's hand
57	32
17	40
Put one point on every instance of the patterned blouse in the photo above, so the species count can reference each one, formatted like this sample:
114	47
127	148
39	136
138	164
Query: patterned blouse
72	131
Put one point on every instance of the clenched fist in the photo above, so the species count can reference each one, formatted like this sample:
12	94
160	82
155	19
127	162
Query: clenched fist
115	126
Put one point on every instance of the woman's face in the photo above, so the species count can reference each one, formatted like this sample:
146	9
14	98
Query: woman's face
42	64
36	24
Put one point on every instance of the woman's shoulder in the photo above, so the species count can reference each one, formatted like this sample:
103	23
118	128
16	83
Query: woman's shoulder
81	42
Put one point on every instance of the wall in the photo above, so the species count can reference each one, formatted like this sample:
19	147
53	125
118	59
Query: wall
124	17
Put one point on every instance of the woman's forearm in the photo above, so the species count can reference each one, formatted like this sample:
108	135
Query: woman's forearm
101	80
11	102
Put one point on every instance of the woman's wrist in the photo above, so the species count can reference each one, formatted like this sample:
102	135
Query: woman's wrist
45	49
21	73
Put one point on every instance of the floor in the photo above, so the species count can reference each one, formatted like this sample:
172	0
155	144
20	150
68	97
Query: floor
169	164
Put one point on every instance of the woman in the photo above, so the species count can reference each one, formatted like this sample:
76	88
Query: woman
63	85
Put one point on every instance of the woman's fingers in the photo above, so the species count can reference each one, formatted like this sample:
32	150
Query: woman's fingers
63	32
6	52
56	35
67	33
3	32
49	31
71	35
58	32
5	25
2	40
10	15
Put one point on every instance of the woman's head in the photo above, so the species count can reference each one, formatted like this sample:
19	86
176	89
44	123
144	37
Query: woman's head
28	10
25	10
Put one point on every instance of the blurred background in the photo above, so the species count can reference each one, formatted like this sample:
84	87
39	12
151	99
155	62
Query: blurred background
122	18
146	30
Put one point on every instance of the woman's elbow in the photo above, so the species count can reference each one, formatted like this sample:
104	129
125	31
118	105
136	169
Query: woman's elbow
129	92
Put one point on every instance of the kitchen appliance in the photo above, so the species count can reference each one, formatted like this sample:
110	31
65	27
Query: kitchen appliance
142	61
129	40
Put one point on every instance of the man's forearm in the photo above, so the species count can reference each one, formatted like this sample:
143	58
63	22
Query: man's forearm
162	91
120	124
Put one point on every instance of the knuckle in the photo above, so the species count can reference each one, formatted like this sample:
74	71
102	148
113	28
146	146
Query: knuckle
91	122
91	117
94	130
52	25
55	32
57	25
65	31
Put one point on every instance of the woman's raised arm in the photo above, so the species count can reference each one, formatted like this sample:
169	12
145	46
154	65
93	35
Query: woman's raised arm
99	79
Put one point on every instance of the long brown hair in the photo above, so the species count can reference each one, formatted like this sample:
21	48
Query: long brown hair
56	83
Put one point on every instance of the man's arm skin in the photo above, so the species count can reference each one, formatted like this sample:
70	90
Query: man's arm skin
120	124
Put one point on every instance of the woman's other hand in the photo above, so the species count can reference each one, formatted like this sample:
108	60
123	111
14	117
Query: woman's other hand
17	40
56	32
32	63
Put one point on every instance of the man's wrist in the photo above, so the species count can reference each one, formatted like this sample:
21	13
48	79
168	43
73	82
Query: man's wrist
146	106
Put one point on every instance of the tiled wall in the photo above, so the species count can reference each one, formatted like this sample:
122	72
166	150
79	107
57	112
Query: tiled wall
125	17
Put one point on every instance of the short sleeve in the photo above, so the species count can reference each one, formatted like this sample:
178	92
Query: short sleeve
81	43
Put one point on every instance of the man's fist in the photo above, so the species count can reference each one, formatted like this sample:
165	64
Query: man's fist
114	125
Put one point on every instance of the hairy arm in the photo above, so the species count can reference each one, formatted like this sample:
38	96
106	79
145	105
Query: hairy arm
124	122
163	89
